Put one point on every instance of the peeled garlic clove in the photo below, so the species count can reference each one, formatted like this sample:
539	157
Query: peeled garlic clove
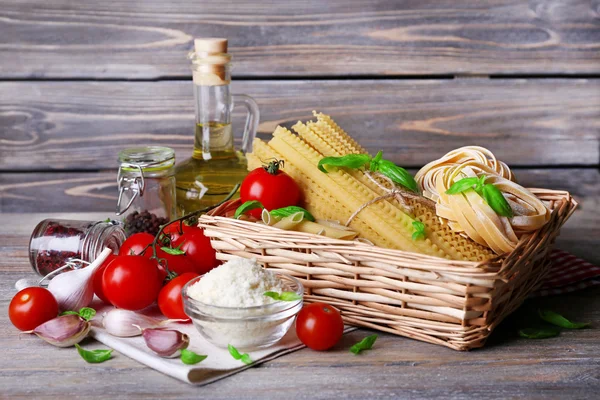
126	323
75	289
166	342
63	331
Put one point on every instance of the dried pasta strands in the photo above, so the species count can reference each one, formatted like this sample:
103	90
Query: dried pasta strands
456	246
468	212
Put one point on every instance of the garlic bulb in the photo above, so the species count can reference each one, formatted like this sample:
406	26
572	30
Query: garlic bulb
74	289
125	323
63	331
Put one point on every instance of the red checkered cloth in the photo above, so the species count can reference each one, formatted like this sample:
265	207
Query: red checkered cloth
568	274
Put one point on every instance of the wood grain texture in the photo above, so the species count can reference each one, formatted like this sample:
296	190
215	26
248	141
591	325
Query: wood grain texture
83	125
115	39
86	192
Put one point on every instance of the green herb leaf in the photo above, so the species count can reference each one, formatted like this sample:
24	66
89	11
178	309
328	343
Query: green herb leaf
538	333
462	185
479	185
190	358
365	344
68	313
174	251
493	196
353	161
94	356
419	232
245	358
87	313
108	220
287	211
559	320
247	206
397	174
284	296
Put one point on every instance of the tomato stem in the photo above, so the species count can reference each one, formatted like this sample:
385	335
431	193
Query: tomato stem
273	166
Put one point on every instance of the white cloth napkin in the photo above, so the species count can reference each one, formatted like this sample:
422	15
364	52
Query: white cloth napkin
219	363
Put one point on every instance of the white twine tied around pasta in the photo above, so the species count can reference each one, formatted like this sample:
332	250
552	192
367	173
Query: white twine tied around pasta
392	191
467	212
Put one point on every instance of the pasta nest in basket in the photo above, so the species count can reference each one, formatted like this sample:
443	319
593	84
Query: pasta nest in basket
467	212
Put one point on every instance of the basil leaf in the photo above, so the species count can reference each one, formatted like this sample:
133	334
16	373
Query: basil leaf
353	161
190	358
493	196
94	356
462	185
87	313
173	251
479	185
245	358
398	175
247	206
419	232
559	320
287	211
365	344
284	296
538	333
68	313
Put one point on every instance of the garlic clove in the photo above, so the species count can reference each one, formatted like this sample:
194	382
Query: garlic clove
74	290
126	323
166	342
63	331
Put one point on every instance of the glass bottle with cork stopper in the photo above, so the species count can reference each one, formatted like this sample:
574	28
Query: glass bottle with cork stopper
215	166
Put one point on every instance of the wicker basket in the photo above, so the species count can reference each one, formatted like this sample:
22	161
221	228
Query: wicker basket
452	303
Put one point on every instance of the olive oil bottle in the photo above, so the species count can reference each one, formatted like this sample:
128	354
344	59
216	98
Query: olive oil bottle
215	166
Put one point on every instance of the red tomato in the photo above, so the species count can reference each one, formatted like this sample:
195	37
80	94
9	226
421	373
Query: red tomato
131	282
175	229
272	187
97	278
319	326
198	249
180	264
31	307
170	301
135	243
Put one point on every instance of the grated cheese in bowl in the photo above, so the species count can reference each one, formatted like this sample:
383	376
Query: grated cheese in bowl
228	305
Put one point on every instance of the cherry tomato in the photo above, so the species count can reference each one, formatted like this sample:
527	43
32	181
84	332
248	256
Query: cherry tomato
198	249
135	243
271	186
175	229
97	278
31	307
319	326
180	264
131	282
170	301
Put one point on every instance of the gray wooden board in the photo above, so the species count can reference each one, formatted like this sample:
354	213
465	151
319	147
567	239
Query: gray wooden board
150	39
509	367
83	125
79	192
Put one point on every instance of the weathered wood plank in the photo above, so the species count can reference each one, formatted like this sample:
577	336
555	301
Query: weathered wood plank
82	125
86	192
114	39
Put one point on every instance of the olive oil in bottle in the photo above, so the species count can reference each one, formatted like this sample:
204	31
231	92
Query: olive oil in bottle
215	166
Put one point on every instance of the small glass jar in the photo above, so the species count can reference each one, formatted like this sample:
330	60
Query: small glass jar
146	188
56	242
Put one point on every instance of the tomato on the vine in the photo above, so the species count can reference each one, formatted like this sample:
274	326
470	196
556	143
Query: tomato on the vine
198	249
31	307
175	229
131	282
170	301
136	243
97	278
319	326
271	186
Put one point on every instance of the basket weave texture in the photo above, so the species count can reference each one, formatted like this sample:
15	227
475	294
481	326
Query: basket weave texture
451	303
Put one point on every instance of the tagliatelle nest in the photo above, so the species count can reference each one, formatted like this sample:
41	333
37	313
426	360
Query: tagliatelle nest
467	212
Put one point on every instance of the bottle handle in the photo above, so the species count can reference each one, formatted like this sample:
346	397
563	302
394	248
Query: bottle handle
252	119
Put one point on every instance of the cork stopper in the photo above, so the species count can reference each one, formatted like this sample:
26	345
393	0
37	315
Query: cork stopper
210	45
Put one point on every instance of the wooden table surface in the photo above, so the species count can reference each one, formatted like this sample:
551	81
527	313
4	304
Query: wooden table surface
567	366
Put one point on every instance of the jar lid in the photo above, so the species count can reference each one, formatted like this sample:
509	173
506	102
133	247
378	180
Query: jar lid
148	159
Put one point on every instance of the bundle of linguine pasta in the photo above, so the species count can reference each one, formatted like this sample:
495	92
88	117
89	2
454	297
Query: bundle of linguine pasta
357	198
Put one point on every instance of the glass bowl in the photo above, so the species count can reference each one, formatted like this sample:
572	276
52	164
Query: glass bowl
245	327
